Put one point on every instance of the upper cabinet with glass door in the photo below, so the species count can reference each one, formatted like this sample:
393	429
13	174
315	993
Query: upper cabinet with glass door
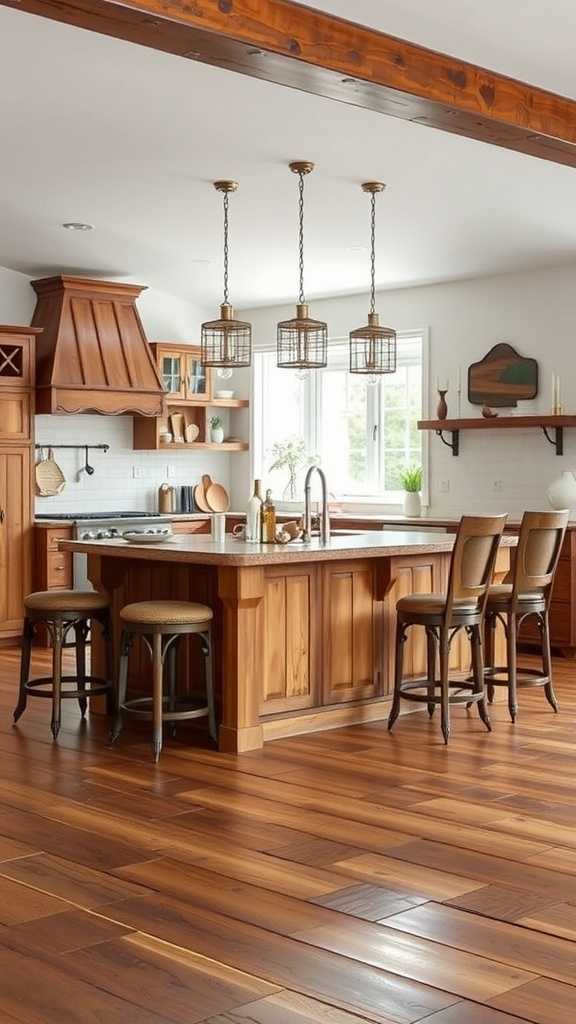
183	375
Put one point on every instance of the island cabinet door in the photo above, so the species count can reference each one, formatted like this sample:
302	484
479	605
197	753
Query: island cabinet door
351	632
291	625
422	574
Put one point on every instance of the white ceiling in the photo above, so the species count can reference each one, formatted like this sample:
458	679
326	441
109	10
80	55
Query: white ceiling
98	130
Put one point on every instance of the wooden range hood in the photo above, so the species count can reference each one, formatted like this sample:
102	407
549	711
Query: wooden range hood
93	355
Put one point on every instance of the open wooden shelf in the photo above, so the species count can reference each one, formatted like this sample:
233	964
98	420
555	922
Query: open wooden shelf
225	446
228	403
541	422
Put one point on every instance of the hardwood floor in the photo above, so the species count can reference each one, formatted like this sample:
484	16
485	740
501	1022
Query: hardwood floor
339	878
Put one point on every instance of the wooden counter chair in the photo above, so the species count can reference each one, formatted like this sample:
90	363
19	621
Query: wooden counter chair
60	611
161	624
444	615
530	593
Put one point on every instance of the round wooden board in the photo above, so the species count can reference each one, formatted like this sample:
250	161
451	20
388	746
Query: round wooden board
217	498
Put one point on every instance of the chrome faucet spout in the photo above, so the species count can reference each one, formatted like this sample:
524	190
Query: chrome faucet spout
325	518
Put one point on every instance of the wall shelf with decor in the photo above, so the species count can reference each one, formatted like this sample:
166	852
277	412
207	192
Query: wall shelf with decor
191	395
551	426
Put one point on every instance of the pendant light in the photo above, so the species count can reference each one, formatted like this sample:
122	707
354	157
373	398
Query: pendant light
373	348
226	342
302	342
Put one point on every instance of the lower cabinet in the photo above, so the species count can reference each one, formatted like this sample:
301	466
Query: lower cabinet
351	632
15	537
291	611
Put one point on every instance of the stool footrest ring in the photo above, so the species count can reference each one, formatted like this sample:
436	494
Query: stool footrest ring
95	686
139	708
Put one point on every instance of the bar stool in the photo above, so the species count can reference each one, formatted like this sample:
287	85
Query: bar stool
161	624
530	593
59	611
443	616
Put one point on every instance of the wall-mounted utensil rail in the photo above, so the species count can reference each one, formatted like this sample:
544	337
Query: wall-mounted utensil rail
77	447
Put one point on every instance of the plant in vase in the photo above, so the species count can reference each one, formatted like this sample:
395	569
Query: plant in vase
216	430
411	480
292	456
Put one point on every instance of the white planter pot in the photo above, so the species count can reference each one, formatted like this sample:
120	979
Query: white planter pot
562	492
217	435
412	504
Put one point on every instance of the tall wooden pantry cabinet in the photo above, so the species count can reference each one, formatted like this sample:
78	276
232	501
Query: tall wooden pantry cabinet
17	366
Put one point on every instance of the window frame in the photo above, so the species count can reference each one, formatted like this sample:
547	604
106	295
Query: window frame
348	502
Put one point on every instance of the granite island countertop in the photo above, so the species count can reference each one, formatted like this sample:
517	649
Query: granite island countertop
202	550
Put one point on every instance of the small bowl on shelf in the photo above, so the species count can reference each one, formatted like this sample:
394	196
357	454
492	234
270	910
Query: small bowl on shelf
166	437
224	394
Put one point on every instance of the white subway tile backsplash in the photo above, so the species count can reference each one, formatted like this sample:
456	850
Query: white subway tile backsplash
123	478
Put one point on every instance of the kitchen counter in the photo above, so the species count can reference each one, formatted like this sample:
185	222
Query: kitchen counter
304	634
201	550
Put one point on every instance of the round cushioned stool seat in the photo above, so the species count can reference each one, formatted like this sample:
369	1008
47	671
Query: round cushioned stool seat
501	595
166	613
66	601
432	604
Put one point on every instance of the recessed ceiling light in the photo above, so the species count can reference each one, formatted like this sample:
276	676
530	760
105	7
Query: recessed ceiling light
77	226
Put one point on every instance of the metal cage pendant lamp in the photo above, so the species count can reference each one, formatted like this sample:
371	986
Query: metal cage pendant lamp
226	342
302	343
373	348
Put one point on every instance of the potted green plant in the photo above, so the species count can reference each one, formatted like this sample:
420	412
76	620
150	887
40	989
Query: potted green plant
216	430
411	479
292	456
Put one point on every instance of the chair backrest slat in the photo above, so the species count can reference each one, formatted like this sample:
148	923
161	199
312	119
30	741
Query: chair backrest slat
539	546
473	559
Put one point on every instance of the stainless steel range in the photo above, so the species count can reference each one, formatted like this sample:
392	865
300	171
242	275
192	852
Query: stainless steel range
101	526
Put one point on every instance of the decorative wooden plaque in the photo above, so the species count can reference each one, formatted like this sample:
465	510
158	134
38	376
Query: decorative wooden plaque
502	378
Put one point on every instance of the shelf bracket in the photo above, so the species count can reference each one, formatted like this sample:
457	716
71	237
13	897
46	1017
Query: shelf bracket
454	444
557	441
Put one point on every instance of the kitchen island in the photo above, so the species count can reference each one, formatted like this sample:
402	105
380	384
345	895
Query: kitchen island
304	633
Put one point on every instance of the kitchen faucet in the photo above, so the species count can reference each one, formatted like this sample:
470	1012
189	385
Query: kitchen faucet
325	519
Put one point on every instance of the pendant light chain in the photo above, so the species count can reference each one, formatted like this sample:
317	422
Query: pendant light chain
301	297
373	252
226	246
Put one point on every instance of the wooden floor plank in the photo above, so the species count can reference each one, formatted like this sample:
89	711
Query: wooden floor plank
335	878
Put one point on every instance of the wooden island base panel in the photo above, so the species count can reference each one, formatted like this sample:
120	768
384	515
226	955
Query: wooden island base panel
304	636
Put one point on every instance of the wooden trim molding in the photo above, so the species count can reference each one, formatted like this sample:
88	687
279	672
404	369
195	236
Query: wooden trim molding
289	44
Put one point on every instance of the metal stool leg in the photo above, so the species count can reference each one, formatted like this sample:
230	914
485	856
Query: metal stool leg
512	668
400	641
444	680
125	645
81	632
112	695
172	678
478	671
431	666
27	636
490	635
57	643
157	667
210	694
547	660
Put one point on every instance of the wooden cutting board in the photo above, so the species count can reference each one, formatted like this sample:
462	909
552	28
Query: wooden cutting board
217	498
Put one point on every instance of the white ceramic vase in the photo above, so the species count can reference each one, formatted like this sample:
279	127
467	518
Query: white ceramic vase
217	435
412	504
562	492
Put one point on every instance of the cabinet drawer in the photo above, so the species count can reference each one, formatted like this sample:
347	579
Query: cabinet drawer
53	537
59	569
194	526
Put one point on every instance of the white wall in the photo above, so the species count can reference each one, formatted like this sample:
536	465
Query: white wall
124	479
536	313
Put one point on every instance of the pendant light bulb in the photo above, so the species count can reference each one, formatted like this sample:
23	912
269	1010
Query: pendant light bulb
372	347
226	343
302	342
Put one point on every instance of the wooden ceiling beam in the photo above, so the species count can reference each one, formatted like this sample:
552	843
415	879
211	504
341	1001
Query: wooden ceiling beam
296	46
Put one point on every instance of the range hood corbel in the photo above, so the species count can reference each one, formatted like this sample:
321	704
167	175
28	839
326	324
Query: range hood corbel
93	354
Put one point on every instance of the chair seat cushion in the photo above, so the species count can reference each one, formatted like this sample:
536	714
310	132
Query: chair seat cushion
166	613
432	604
66	601
500	595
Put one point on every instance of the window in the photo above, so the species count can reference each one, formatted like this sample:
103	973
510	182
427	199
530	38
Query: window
362	434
